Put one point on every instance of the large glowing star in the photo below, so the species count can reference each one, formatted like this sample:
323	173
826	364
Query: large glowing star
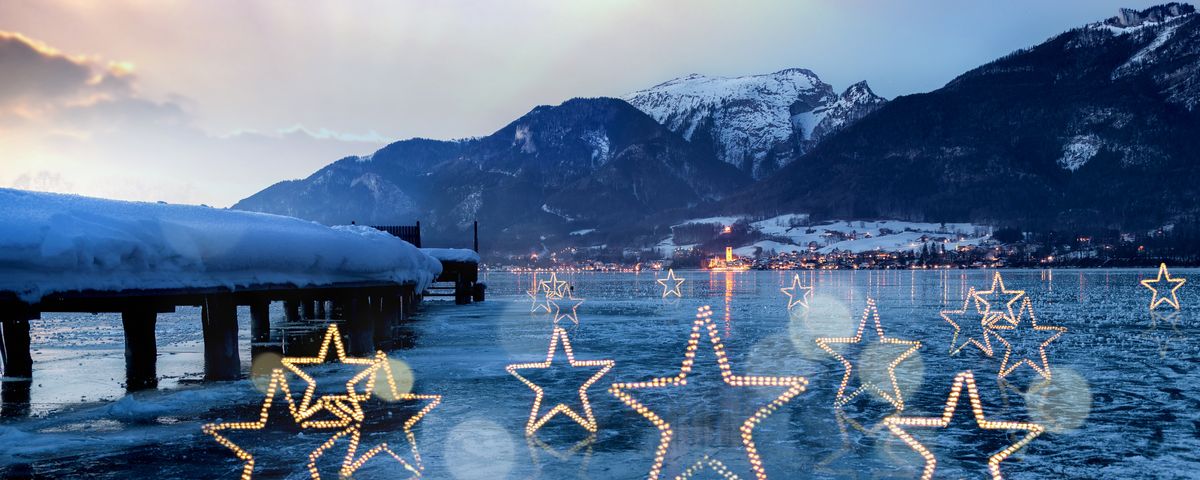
971	326
308	404
988	301
357	454
1173	283
792	387
278	384
890	392
669	290
797	294
536	417
895	423
1016	339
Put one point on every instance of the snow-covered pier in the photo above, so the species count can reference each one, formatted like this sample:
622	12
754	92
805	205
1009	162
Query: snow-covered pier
63	253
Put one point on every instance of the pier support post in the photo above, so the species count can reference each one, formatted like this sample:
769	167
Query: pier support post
221	359
389	313
357	312
462	292
14	335
260	321
291	310
141	353
407	299
310	309
321	313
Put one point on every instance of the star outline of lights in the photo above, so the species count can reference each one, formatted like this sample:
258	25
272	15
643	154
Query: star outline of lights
793	298
668	291
894	424
895	397
794	385
588	419
1026	310
1164	275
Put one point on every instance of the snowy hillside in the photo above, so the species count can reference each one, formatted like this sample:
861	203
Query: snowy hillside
794	232
759	122
56	243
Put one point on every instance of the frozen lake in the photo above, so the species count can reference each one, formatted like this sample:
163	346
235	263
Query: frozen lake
1123	401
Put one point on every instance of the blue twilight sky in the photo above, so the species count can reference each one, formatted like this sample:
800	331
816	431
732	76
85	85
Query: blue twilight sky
210	101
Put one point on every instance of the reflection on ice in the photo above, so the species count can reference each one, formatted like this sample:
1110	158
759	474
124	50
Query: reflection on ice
1120	402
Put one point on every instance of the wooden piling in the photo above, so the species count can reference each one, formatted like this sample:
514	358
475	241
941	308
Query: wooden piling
291	310
310	309
221	357
260	321
356	309
14	341
141	352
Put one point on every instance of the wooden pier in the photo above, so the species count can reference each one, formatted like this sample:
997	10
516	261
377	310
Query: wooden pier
459	277
371	313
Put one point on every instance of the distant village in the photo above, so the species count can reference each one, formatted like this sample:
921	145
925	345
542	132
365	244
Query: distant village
738	244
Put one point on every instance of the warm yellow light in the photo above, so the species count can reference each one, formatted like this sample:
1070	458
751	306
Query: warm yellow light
891	393
346	408
536	420
278	384
894	424
1026	322
998	292
392	391
332	338
975	316
793	385
1174	283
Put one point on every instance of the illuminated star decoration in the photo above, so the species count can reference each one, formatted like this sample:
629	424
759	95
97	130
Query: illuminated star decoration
554	288
975	317
794	386
533	292
1024	328
353	459
797	294
895	423
670	290
1174	283
278	383
892	392
587	420
998	293
333	339
570	314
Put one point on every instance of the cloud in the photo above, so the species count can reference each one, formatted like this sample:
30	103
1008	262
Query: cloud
78	124
36	76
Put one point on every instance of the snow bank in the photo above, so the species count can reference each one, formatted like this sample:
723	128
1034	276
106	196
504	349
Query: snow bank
452	254
56	243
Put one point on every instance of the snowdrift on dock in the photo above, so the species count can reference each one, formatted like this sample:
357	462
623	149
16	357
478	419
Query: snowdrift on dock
53	243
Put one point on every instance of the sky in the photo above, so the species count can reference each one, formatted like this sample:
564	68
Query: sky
210	101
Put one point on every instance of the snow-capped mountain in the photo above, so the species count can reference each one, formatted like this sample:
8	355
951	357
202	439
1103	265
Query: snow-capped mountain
1096	127
585	164
757	123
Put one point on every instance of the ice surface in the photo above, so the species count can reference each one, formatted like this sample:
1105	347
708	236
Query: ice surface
55	243
1121	403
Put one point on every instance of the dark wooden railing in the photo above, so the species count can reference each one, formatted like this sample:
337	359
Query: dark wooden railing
408	233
